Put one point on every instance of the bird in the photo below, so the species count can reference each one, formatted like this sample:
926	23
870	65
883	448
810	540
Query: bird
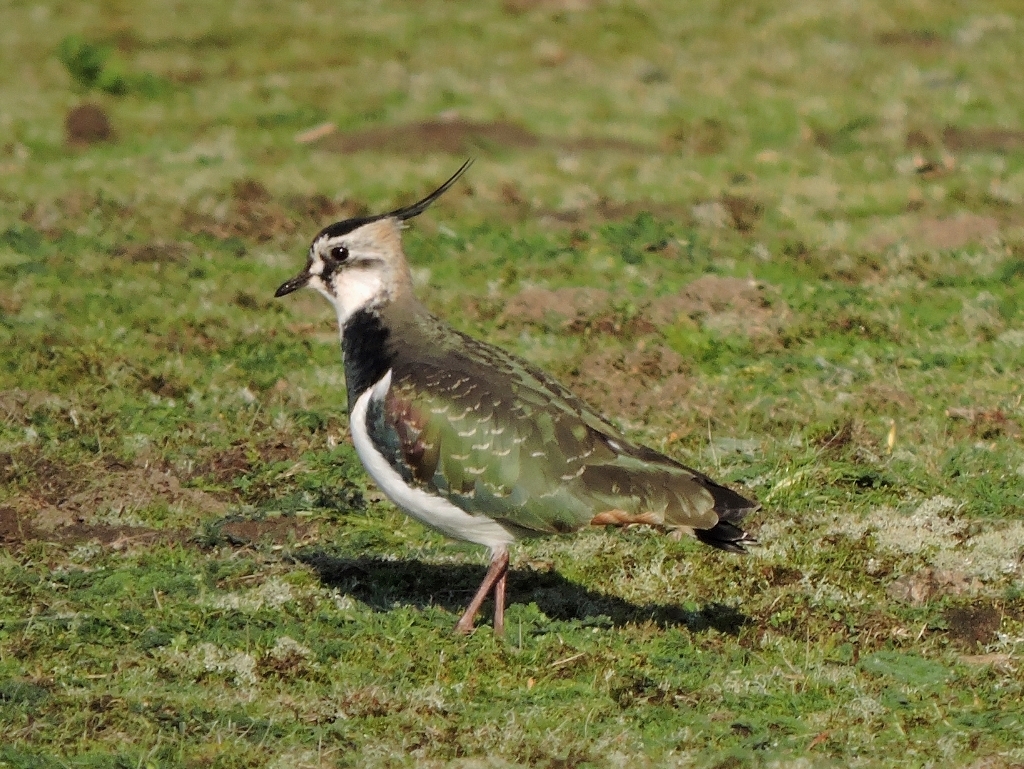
475	442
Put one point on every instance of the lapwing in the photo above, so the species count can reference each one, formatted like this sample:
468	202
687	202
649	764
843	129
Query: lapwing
478	443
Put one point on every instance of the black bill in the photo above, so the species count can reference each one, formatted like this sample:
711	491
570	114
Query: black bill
299	281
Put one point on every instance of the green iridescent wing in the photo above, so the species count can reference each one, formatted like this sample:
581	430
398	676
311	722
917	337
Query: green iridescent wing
498	437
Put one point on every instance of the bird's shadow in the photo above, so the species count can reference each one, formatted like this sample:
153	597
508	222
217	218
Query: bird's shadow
380	584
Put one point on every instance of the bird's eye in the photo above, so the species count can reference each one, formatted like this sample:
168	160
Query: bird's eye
339	253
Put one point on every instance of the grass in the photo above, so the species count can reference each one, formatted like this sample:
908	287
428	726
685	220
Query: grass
783	244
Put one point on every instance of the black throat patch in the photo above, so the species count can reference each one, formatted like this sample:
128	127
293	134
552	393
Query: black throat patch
368	356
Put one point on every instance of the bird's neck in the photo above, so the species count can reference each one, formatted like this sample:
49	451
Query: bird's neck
370	338
368	352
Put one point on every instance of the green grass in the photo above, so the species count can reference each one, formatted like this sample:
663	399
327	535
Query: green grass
799	232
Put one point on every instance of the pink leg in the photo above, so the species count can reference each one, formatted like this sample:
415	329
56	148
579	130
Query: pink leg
499	601
496	572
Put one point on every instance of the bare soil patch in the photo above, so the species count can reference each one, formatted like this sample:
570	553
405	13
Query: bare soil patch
973	626
744	212
985	424
58	497
242	458
983	139
155	252
560	306
632	383
911	38
726	305
255	214
883	398
458	137
956	231
574	310
448	136
704	137
928	584
14	526
275	531
605	210
19	527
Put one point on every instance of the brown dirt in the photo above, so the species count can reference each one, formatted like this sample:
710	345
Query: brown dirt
561	306
242	458
743	211
727	305
631	383
973	626
87	124
322	210
14	526
912	38
920	588
64	496
227	465
454	137
275	531
704	138
155	252
918	139
581	311
885	399
254	214
17	528
956	231
189	336
605	210
460	137
985	424
983	139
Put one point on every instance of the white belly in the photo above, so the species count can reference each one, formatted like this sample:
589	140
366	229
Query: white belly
427	508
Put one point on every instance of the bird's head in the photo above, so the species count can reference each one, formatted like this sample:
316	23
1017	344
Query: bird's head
359	263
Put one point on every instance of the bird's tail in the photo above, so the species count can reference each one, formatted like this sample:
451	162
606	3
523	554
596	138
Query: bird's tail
732	508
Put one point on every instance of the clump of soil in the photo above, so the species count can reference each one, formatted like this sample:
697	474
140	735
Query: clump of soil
632	383
744	212
726	305
15	527
557	307
973	626
87	124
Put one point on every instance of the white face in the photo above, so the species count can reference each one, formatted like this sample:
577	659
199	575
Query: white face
359	269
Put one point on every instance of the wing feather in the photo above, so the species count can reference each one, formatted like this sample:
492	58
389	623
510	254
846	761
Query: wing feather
496	436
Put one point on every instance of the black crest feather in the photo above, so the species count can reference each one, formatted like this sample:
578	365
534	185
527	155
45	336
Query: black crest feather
407	212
